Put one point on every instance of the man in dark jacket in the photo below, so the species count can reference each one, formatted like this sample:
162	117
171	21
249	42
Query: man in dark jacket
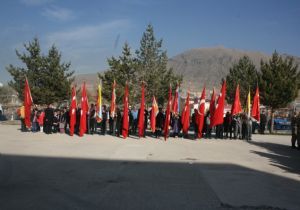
160	118
294	130
48	119
263	122
104	119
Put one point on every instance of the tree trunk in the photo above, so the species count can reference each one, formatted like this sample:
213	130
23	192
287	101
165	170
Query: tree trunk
272	121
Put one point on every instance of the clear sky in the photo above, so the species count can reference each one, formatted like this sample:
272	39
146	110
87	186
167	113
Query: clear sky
89	31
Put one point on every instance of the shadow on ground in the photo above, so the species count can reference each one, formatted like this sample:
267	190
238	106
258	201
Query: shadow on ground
281	156
28	182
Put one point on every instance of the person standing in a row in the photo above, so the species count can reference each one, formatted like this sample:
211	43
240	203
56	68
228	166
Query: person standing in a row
104	119
48	119
92	118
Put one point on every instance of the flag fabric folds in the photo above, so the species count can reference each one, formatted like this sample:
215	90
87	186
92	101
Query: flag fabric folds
141	123
99	104
201	113
185	117
168	114
217	117
113	100
175	104
154	112
84	110
255	107
236	106
125	125
72	111
27	104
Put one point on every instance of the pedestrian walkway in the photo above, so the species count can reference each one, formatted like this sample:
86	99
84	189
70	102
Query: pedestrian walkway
40	171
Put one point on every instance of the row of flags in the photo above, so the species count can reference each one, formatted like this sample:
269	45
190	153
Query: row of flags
216	109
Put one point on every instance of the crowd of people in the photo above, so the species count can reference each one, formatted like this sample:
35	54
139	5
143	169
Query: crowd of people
57	120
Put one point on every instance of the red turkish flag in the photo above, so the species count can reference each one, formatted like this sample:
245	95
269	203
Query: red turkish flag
84	110
27	103
175	105
154	112
201	113
72	111
185	117
236	106
168	114
255	107
141	122
125	125
217	118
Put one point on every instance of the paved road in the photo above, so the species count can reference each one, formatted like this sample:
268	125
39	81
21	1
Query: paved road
39	171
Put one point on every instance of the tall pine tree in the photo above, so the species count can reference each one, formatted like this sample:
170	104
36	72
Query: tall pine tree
149	65
279	82
121	69
244	73
49	78
152	67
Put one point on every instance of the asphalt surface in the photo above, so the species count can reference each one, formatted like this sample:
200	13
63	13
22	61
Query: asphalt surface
39	171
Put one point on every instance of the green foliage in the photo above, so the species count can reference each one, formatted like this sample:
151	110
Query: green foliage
48	77
122	69
244	73
152	67
279	81
149	66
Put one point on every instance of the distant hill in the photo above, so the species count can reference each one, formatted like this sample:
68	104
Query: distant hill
208	65
200	66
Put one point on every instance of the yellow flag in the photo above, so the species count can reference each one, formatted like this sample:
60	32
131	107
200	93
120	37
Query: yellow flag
248	104
99	105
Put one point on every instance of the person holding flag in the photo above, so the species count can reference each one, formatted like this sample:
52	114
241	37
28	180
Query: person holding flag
141	118
236	109
153	114
99	105
84	110
112	110
175	104
255	112
201	113
168	114
185	117
218	113
27	104
247	121
72	111
125	124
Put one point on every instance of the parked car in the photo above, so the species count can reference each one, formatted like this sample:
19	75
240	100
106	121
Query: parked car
282	124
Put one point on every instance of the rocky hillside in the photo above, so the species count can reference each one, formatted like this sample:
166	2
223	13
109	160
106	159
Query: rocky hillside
208	65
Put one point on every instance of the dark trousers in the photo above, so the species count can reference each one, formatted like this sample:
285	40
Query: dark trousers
158	133
219	132
262	127
195	131
208	132
103	127
23	126
111	126
48	127
92	125
134	126
294	139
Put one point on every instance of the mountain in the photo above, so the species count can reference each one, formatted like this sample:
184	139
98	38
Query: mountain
209	65
201	66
